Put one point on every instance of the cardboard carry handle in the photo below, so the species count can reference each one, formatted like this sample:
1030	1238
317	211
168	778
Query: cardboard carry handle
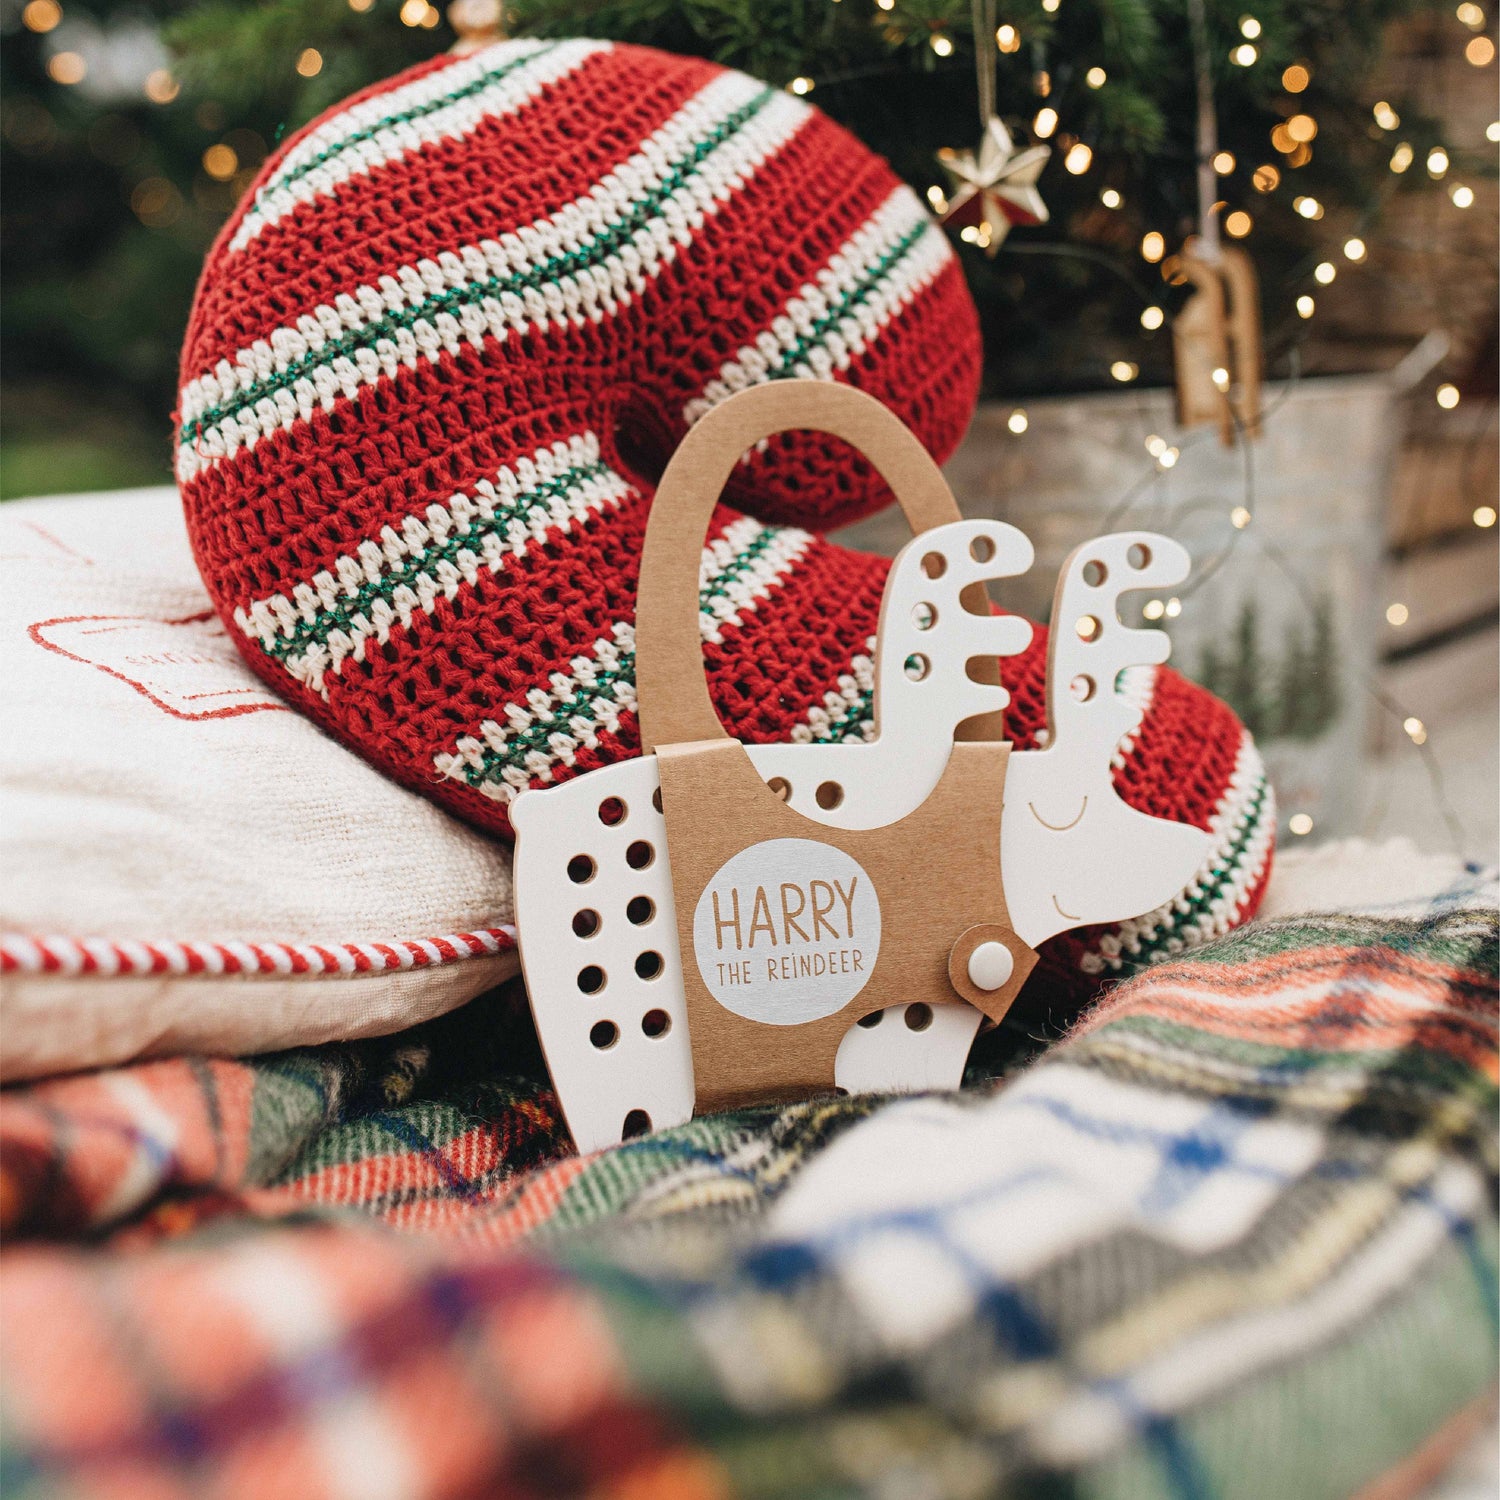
673	702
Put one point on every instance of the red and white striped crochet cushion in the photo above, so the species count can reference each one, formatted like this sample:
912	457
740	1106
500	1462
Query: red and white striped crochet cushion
456	327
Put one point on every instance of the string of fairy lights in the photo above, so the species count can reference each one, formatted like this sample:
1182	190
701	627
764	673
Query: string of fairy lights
1300	823
232	158
1292	140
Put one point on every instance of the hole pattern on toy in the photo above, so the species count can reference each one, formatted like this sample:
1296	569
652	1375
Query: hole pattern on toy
618	1053
851	785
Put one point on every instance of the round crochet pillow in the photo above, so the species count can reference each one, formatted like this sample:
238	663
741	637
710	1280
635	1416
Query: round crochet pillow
439	353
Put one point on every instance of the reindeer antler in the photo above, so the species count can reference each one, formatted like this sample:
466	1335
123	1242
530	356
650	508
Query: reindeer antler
932	628
1090	646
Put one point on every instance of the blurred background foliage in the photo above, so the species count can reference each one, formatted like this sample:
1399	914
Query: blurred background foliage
131	130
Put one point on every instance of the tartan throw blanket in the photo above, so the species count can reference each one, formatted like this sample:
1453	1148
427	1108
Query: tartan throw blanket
1233	1235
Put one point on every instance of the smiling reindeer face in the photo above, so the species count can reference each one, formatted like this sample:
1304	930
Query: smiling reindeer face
1074	853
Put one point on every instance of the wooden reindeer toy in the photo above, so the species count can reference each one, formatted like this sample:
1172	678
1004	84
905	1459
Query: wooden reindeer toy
715	923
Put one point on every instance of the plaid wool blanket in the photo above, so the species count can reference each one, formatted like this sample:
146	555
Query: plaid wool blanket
1234	1234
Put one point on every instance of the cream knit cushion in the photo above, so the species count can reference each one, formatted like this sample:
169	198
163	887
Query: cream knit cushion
185	865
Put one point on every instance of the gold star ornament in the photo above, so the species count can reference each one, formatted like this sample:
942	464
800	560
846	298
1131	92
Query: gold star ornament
994	187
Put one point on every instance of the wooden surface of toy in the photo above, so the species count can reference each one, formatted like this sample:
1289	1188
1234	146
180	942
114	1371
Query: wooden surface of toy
611	952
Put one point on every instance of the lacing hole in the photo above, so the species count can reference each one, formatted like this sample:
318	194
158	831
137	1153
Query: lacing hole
648	964
585	923
591	979
637	1122
829	795
934	565
639	855
640	910
581	869
918	1016
604	1034
656	803
923	616
916	666
656	1023
1088	628
781	786
1095	573
611	811
1139	556
982	549
1082	688
873	1019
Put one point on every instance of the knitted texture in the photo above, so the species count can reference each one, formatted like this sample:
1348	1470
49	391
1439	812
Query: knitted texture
1235	1238
454	330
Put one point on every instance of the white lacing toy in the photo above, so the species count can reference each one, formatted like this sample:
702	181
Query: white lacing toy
595	904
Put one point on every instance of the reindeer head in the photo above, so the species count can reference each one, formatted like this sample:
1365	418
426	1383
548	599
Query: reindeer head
1073	853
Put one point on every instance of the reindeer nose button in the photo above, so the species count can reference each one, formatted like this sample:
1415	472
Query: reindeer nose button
990	965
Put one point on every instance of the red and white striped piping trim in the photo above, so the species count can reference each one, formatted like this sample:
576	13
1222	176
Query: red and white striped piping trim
23	954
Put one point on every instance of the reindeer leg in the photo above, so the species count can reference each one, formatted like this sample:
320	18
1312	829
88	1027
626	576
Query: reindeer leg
907	1049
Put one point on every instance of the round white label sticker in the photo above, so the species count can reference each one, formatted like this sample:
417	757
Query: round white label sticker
787	931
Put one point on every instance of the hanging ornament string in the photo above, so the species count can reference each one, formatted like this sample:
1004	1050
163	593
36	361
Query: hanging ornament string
477	23
985	52
1216	338
1207	136
994	186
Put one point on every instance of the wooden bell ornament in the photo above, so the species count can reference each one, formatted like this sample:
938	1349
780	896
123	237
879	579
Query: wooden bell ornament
1216	342
715	923
476	24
